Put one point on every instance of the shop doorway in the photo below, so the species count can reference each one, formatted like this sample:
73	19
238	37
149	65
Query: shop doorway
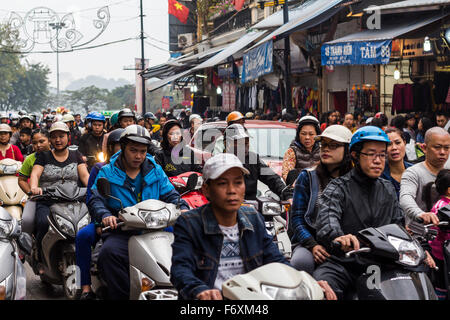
338	101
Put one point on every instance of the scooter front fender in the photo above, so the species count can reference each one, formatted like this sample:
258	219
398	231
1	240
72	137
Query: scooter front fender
7	259
395	285
14	211
150	254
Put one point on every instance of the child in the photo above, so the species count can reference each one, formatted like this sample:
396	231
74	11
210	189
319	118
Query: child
443	188
24	143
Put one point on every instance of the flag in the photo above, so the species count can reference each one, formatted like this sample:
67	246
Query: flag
178	10
238	4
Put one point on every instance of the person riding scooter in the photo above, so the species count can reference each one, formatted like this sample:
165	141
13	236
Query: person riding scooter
353	202
57	166
91	142
88	236
134	176
221	239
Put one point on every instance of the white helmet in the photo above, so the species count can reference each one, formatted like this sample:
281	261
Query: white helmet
194	116
337	133
137	134
5	128
59	126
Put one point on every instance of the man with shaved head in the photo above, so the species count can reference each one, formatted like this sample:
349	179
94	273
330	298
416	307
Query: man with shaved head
416	177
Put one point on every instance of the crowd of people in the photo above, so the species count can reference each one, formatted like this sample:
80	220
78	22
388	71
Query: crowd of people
353	171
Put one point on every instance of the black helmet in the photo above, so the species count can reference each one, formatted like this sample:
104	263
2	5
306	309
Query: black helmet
114	136
149	115
125	113
135	133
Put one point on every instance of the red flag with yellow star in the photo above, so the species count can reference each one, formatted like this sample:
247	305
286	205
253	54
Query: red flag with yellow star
178	10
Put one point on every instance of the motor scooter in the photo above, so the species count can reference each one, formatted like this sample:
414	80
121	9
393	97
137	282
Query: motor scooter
68	215
12	243
273	209
195	197
394	263
150	253
12	198
273	281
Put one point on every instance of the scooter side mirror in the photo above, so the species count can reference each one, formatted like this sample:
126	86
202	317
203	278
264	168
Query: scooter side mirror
291	177
25	243
104	187
192	182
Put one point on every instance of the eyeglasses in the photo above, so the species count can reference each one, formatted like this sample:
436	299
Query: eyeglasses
330	145
373	156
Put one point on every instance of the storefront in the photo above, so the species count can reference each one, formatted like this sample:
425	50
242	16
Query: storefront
394	69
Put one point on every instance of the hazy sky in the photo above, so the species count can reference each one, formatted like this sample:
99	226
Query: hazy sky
107	61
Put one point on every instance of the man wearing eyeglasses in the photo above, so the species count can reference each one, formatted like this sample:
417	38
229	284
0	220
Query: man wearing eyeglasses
355	201
412	198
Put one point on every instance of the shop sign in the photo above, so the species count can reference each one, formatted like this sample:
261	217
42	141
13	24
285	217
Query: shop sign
357	53
258	62
165	103
225	71
413	48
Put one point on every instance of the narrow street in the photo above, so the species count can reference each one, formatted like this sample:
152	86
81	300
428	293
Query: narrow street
36	290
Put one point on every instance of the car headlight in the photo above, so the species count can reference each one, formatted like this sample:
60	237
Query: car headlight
271	209
410	252
84	222
6	227
65	225
155	219
302	292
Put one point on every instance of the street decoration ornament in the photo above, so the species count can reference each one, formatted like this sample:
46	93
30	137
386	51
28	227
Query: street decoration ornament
179	11
36	28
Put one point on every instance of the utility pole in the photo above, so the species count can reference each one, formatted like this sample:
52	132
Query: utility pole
58	26
142	58
287	61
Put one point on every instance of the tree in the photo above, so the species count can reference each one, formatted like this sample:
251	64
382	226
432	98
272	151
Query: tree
88	98
121	96
30	89
10	67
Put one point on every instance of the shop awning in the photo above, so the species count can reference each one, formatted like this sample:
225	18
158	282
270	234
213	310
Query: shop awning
371	46
389	31
233	48
410	5
216	59
310	15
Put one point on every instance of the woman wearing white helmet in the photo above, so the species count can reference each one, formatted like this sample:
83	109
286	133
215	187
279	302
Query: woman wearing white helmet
303	151
335	161
8	150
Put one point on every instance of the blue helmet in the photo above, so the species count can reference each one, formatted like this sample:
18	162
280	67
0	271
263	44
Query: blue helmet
368	133
95	116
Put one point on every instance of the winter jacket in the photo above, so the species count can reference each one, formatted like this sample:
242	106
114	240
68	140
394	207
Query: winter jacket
304	204
177	160
89	146
198	243
261	171
155	185
298	157
354	202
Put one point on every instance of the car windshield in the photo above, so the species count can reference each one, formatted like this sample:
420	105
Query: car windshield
271	142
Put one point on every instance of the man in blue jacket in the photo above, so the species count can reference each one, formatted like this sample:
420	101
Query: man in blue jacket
221	239
134	176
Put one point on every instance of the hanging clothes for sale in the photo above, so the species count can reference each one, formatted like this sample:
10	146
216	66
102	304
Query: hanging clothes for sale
442	83
364	98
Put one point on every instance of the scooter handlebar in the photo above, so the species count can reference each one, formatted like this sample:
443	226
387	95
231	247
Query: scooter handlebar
109	227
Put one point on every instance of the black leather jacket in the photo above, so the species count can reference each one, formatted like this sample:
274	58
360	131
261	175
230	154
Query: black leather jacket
355	202
261	171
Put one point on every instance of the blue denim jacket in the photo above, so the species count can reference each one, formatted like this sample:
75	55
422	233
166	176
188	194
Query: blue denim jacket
198	245
306	192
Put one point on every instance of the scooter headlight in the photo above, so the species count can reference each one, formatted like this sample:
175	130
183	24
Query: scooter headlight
155	219
410	252
10	169
271	209
302	292
65	225
6	228
84	222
